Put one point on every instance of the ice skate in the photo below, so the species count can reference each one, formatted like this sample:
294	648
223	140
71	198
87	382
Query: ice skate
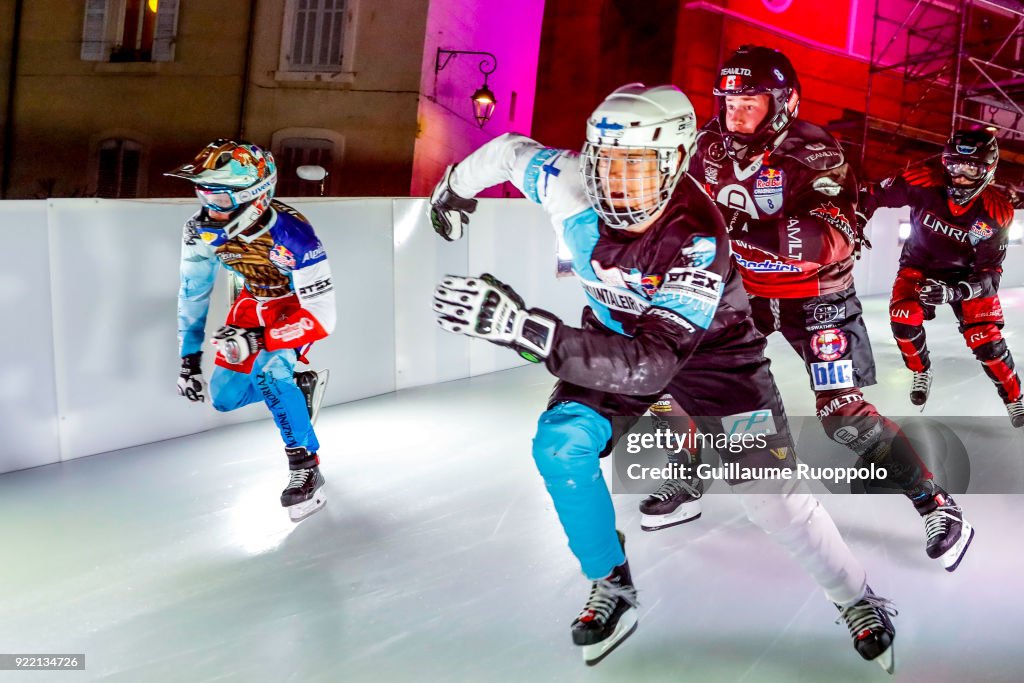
608	617
947	533
872	630
676	501
304	494
312	383
1015	409
921	386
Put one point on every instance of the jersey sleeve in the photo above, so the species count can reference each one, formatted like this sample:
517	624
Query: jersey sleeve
198	273
665	336
990	251
547	176
899	190
317	316
823	213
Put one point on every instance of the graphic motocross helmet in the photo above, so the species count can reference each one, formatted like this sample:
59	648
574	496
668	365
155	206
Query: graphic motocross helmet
235	179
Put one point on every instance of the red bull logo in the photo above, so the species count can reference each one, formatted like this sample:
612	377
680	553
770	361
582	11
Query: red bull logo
650	284
281	256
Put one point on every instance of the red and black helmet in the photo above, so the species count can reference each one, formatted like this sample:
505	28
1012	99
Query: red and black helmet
753	70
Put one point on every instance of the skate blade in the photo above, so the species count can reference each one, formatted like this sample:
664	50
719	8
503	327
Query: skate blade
318	394
951	558
687	512
593	654
301	511
887	660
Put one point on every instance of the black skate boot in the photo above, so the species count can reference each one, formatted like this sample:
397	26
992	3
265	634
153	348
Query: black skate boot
1016	411
920	387
609	617
312	383
871	628
676	501
947	533
304	494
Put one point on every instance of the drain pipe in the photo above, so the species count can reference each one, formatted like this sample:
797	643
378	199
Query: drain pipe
12	77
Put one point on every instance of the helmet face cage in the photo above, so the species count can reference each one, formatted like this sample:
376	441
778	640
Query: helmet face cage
594	164
754	70
970	154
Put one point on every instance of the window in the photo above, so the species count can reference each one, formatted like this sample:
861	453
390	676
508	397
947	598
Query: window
119	166
294	147
129	30
317	36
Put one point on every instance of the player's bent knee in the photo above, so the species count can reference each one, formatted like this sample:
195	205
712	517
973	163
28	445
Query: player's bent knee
569	439
903	330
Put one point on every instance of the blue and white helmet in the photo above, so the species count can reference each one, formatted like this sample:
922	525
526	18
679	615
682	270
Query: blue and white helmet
637	117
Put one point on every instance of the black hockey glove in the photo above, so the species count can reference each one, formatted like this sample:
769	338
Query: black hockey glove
861	241
449	213
486	308
237	343
935	293
190	378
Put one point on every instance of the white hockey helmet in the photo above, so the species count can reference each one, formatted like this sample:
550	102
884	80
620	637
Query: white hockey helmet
636	117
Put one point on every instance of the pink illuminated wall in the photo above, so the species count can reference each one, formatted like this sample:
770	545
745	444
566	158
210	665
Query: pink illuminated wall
447	130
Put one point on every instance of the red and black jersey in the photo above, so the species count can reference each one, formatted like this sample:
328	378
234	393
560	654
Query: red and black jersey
947	241
790	213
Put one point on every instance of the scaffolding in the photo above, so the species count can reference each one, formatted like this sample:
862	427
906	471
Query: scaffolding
960	63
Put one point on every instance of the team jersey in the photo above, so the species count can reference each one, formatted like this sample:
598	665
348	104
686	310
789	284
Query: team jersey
790	213
947	241
285	258
664	293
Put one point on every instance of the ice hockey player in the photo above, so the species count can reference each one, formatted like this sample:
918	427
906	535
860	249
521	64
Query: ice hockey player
286	304
788	198
954	255
667	313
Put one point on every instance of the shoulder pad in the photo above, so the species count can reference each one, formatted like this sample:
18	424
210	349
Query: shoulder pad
997	205
812	146
285	210
924	176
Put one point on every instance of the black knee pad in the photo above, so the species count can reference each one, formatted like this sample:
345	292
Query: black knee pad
904	331
991	350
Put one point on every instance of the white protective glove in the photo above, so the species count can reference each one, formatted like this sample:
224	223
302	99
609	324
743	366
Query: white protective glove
486	308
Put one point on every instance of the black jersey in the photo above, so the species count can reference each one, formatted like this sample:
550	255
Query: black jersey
947	241
790	213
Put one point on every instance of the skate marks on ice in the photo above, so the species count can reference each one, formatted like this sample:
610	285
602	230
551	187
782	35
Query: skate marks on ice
440	558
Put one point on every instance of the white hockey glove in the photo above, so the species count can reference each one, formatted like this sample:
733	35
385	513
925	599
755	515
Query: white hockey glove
190	378
449	213
486	308
935	293
237	343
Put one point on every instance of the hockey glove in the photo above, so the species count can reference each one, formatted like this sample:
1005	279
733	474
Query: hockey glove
449	213
935	293
486	308
237	343
861	242
190	378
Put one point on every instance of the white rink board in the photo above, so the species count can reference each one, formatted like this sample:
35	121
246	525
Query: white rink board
28	403
90	294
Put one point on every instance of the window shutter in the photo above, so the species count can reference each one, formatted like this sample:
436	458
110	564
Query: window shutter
94	29
166	31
